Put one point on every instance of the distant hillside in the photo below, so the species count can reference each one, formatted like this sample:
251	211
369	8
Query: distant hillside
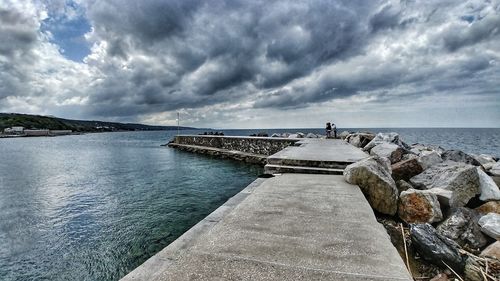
27	121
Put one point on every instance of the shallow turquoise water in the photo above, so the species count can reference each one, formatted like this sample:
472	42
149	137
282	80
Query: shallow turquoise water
95	206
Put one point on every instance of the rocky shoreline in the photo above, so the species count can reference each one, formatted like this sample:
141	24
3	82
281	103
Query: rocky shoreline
440	207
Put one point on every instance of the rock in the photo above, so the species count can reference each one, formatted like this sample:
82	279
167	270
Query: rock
444	196
344	134
440	277
484	159
489	207
360	139
405	170
275	135
436	248
419	206
462	227
409	156
492	250
311	136
495	170
375	181
490	225
292	136
300	135
386	138
459	156
389	150
489	189
418	149
402	185
462	179
429	158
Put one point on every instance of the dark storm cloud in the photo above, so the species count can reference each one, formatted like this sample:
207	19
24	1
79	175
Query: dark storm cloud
214	48
154	56
18	36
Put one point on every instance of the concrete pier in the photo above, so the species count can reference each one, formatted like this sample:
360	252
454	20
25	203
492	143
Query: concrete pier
294	226
290	227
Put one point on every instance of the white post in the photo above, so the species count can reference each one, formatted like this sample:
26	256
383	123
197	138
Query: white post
178	122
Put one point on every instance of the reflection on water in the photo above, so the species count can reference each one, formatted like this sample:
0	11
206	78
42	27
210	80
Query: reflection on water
93	207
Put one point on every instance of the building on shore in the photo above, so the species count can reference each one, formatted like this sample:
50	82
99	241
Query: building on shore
14	131
37	133
60	132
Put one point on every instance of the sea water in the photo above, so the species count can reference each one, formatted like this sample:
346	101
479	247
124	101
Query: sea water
95	206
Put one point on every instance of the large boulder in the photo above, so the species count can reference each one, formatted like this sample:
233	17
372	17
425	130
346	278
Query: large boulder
462	179
490	225
444	196
459	156
405	170
462	227
489	207
419	206
386	138
344	134
492	250
488	187
360	139
374	179
429	158
403	186
436	248
484	159
388	150
495	170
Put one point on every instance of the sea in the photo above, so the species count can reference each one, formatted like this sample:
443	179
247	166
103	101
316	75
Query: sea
95	206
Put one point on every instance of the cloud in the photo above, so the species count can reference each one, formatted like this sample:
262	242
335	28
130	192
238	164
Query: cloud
151	58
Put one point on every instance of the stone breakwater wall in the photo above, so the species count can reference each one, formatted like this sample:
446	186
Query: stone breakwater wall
247	149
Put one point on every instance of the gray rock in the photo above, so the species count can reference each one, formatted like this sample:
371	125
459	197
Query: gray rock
386	138
495	170
372	176
419	206
490	225
360	139
275	135
429	158
459	156
402	185
444	196
292	136
300	135
409	156
344	134
462	227
436	248
389	150
484	159
311	136
488	187
462	179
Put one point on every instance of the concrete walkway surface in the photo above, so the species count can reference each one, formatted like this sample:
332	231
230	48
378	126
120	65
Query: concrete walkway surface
289	227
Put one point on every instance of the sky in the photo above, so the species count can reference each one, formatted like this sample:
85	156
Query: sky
254	63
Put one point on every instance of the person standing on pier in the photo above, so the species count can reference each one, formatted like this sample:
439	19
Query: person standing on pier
328	130
334	131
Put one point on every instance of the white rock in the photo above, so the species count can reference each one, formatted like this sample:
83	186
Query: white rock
484	158
490	225
429	158
385	137
495	170
489	189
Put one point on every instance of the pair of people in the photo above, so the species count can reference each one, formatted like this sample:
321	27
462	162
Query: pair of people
329	128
